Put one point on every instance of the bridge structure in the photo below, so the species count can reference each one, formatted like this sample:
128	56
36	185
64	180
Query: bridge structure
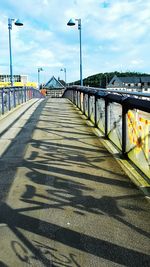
74	178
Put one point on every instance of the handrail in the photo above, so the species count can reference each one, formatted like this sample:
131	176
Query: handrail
120	92
122	118
10	97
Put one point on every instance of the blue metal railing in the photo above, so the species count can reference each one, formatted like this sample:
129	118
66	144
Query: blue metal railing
122	117
14	96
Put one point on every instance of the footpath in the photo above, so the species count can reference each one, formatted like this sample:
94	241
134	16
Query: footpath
64	200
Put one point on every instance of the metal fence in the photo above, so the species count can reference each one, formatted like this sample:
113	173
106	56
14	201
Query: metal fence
122	117
14	96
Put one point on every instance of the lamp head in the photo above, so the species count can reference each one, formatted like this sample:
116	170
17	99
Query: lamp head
18	23
71	22
40	69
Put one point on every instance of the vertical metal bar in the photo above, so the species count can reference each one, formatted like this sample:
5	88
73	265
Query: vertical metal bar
95	117
22	95
9	104
79	28
124	129
106	117
29	93
77	99
18	96
73	97
26	94
83	103
14	96
25	98
38	78
88	106
80	100
2	101
10	51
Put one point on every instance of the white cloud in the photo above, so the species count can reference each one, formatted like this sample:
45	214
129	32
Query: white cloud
113	38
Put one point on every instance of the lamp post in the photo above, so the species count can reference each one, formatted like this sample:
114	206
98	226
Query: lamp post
17	23
39	69
72	22
64	69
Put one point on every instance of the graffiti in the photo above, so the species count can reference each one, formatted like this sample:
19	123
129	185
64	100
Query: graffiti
138	133
20	251
51	256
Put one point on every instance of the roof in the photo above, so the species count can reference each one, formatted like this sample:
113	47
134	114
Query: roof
131	79
62	82
53	83
135	79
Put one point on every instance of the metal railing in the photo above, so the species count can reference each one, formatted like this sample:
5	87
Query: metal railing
122	117
14	96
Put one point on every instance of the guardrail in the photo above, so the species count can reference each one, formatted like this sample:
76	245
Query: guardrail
14	96
122	117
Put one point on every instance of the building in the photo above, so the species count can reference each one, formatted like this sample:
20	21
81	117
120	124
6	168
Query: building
131	84
16	78
54	87
18	81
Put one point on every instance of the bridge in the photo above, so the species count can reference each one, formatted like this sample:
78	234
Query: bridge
73	189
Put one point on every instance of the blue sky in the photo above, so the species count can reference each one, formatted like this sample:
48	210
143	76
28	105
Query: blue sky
115	37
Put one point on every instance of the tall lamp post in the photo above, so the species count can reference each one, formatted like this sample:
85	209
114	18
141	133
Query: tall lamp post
17	23
39	69
72	22
64	69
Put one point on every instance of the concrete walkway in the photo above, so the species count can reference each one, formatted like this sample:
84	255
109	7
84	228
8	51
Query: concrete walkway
65	202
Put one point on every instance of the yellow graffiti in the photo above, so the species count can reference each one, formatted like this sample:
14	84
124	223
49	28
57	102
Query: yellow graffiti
138	130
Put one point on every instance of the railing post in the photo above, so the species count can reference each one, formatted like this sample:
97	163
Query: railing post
88	106
124	129
80	99
30	93
95	119
106	117
2	101
76	96
83	103
22	95
9	104
14	96
18	96
77	99
25	97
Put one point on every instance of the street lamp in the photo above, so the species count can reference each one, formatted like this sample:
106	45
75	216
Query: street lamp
17	23
39	69
72	22
64	69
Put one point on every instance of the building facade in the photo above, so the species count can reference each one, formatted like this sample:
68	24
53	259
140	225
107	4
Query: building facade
16	78
54	88
131	84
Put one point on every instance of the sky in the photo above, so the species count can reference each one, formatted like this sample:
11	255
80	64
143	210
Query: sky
115	37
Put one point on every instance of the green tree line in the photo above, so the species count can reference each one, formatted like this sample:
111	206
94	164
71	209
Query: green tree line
102	79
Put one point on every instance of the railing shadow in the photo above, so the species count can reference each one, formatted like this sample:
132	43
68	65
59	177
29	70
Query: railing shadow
51	165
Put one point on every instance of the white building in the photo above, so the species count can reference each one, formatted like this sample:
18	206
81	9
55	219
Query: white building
131	84
16	78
